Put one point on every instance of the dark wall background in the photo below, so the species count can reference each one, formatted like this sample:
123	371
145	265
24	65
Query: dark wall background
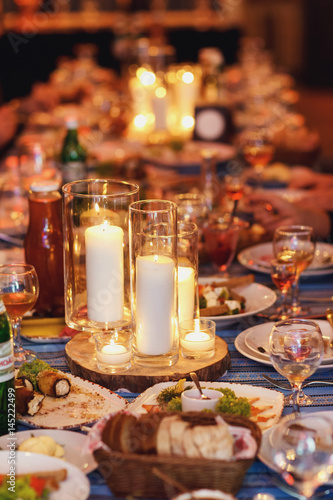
35	58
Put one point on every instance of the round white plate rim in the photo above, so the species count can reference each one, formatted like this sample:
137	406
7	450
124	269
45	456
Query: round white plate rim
44	463
245	351
61	437
266	436
270	324
256	266
228	320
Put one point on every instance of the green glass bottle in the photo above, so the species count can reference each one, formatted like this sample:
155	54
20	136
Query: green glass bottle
7	385
73	155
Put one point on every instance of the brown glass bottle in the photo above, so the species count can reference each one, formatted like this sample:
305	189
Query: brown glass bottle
44	246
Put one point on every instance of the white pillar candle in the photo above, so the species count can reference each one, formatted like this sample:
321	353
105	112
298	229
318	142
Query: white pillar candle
160	110
113	354
186	293
197	341
105	272
155	304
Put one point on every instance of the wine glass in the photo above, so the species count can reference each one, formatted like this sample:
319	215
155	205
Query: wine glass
295	244
257	149
296	349
283	275
302	451
234	189
19	292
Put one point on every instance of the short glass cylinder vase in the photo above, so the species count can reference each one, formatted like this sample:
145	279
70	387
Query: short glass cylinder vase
187	250
96	253
113	351
197	338
154	286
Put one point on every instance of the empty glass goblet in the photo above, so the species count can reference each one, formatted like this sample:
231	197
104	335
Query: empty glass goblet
302	451
296	349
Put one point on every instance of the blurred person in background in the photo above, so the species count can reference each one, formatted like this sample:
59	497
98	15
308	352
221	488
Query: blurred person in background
315	208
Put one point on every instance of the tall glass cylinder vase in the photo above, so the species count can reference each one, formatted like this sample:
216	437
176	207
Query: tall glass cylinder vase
187	249
96	253
154	285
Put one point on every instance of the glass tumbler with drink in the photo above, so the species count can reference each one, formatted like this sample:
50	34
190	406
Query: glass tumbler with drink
19	291
221	235
296	349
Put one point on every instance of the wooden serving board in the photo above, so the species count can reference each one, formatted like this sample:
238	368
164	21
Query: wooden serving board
80	354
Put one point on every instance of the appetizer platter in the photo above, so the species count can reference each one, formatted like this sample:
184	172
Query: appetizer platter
61	479
244	298
70	446
266	405
50	399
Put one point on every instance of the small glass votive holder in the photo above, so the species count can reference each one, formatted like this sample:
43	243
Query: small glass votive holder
113	351
197	338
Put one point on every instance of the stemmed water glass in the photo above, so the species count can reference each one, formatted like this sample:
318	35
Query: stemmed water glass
302	451
19	291
283	276
295	244
296	349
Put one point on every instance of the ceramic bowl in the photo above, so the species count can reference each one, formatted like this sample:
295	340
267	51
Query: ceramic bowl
191	400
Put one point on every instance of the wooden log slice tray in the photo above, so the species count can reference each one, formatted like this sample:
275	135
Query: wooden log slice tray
80	354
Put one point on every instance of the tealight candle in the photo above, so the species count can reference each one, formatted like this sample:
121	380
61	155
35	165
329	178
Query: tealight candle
197	338
111	354
197	341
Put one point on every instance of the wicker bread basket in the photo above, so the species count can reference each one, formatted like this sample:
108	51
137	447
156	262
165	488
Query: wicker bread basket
131	474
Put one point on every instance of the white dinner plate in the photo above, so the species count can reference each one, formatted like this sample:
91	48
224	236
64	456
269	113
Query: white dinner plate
248	353
257	337
44	330
86	403
258	258
267	447
75	487
75	446
267	397
189	156
257	298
